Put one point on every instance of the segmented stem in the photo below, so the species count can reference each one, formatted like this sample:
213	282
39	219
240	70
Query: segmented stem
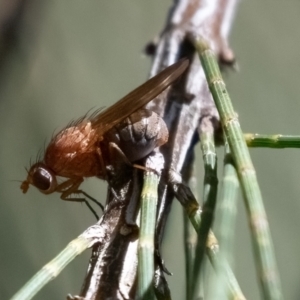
146	239
261	239
226	212
272	141
52	269
209	200
189	232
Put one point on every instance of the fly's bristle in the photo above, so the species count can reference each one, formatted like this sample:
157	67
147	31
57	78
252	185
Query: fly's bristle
95	114
44	148
30	162
91	115
39	155
70	124
76	122
39	158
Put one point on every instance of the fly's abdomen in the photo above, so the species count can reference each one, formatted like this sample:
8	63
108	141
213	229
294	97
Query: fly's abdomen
139	134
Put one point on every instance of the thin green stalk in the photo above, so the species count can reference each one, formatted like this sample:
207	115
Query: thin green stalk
266	266
226	211
146	238
53	268
189	232
193	209
210	164
227	207
234	290
190	237
209	199
272	141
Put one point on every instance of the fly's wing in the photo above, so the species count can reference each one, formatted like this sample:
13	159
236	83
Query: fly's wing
138	97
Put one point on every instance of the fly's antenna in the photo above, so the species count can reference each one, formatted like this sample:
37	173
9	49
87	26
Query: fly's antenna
15	180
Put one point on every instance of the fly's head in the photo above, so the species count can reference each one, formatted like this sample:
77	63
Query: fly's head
42	177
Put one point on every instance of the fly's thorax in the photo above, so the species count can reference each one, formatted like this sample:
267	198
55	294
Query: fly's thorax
139	134
73	151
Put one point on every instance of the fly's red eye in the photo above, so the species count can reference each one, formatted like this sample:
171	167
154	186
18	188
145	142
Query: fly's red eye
42	179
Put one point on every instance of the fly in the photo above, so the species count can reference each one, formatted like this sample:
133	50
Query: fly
83	148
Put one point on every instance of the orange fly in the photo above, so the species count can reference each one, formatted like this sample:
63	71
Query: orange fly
75	152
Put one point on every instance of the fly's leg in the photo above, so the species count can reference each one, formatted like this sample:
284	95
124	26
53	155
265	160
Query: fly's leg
117	156
118	167
91	198
85	201
70	187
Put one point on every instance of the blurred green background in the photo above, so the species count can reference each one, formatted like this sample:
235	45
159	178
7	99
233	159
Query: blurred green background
74	55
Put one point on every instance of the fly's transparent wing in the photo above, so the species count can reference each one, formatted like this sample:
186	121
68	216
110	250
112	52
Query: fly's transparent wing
138	97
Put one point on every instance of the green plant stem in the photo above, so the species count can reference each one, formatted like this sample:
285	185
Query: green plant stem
189	232
52	269
193	209
190	237
146	238
209	200
226	212
272	141
228	206
266	266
